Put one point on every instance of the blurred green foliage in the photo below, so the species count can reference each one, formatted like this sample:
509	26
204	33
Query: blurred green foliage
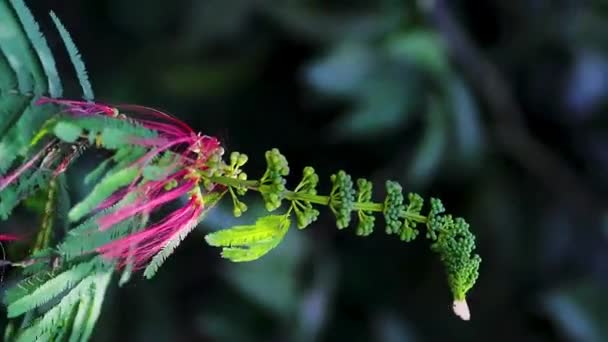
372	87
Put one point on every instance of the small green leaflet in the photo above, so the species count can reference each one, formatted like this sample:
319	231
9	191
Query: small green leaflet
248	243
67	131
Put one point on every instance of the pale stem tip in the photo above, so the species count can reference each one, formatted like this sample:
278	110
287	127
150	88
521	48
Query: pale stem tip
461	309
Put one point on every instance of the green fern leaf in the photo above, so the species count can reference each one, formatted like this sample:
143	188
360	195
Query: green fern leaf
50	289
67	131
8	81
101	284
77	244
16	141
26	286
108	185
97	172
81	71
40	46
15	47
28	184
11	106
53	317
81	316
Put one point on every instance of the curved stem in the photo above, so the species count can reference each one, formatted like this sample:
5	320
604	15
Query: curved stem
316	199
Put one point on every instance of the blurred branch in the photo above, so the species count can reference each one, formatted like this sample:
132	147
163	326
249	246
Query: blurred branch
508	118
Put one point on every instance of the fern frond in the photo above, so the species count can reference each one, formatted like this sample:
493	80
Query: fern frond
15	46
11	106
8	81
97	172
58	314
106	187
27	185
41	262
100	286
16	142
86	241
50	289
81	316
40	46
27	286
81	71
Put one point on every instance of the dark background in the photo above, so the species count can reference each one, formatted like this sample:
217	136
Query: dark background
496	107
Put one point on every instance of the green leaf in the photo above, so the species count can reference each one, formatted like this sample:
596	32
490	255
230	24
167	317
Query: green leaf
383	108
100	286
81	71
106	187
67	131
432	147
86	237
113	138
97	172
80	318
50	289
154	172
15	142
247	243
40	46
54	317
344	71
422	48
8	81
15	46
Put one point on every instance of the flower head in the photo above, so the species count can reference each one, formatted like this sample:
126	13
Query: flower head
188	153
140	247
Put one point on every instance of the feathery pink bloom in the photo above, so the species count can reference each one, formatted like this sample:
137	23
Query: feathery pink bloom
142	206
140	247
192	151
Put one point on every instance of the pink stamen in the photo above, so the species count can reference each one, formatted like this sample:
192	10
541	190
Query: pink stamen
148	206
142	246
9	179
79	107
154	112
9	237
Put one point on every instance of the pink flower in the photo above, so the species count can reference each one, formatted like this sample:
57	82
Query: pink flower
192	151
140	247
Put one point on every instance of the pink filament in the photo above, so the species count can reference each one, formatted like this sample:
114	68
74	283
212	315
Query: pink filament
156	113
79	107
148	206
9	237
140	247
6	181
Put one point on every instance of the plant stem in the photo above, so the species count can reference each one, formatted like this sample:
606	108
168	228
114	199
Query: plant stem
316	199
